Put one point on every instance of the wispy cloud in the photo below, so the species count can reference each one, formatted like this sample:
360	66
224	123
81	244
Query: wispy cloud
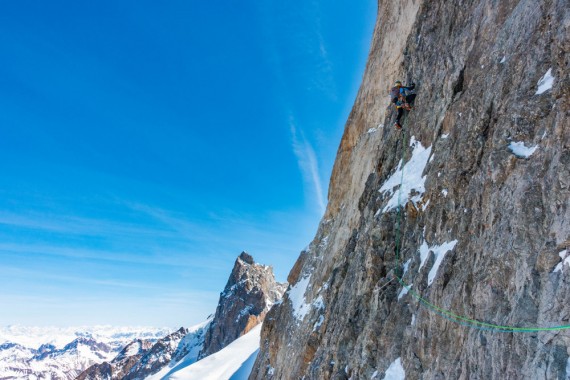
307	160
149	235
304	54
325	81
12	271
184	308
76	225
172	257
237	229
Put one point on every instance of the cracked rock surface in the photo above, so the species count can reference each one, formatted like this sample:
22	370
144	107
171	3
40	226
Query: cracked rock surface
484	227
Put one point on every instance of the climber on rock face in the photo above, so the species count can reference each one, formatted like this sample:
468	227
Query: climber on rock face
403	99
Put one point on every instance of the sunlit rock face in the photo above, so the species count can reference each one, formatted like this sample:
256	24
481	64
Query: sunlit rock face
248	295
468	205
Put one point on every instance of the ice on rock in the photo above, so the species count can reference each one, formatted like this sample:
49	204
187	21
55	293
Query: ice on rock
404	291
520	150
411	180
565	256
297	297
545	83
439	252
395	371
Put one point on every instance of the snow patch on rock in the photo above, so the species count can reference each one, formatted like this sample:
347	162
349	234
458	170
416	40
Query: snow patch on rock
395	371
519	150
318	323
439	252
404	291
319	303
406	266
565	256
411	180
545	83
297	297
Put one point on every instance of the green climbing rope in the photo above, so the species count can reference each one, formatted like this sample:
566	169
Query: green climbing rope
449	315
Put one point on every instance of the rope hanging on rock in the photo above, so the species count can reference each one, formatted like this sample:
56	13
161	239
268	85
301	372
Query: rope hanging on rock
448	314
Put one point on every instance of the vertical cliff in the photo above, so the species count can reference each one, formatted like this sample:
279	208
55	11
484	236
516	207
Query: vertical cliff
482	173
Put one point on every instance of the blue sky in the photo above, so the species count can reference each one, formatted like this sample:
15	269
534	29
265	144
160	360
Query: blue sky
144	145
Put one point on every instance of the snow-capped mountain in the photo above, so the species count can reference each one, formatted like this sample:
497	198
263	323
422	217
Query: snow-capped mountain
104	353
63	353
250	292
122	363
140	359
34	337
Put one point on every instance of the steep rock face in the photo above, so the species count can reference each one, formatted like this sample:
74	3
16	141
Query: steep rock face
484	230
248	295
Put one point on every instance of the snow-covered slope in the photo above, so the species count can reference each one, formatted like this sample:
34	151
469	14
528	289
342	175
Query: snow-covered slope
233	362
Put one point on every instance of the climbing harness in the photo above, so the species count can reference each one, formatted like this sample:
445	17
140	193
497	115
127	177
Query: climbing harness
448	314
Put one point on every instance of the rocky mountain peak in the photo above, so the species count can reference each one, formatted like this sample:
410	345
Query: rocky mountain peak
250	292
136	347
242	272
46	347
246	258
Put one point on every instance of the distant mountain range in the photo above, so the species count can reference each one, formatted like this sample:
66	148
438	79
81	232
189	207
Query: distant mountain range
106	353
40	352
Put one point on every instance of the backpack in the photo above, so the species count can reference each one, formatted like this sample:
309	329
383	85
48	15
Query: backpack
394	92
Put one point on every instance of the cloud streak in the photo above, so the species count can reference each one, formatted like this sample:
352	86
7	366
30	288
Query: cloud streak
307	161
326	80
7	271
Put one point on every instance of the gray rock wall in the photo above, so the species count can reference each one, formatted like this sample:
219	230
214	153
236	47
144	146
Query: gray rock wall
483	232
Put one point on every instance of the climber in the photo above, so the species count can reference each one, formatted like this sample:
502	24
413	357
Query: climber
403	99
